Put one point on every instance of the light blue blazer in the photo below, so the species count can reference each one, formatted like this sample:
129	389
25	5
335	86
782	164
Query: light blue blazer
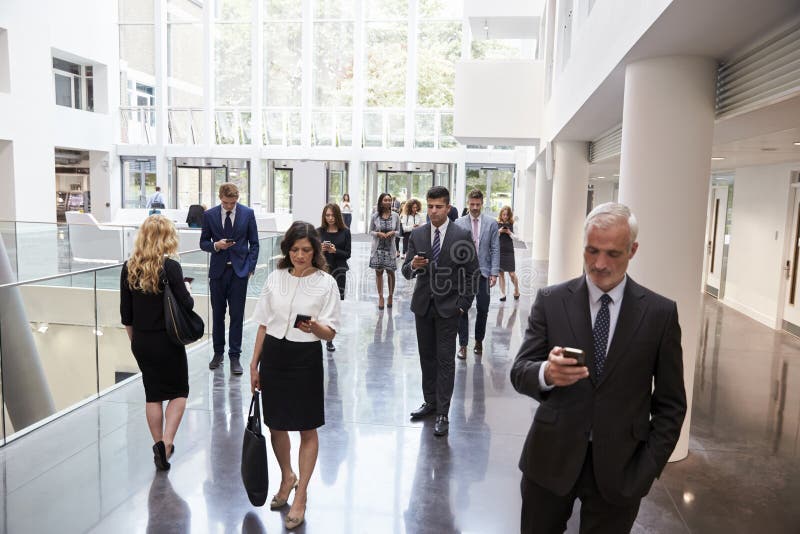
489	244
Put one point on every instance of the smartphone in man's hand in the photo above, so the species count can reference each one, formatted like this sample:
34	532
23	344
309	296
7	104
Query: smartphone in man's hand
578	354
229	240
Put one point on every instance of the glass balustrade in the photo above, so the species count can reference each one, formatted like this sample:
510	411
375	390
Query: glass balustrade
61	340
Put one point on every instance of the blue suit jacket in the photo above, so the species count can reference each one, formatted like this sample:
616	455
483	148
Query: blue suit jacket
244	254
489	244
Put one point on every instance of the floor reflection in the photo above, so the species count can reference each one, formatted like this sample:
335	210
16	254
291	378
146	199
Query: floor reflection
166	511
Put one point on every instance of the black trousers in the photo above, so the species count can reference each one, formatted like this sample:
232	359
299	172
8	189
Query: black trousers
436	339
544	512
340	275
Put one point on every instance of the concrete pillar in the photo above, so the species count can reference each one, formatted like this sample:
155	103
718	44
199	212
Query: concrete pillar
543	203
570	186
668	124
26	393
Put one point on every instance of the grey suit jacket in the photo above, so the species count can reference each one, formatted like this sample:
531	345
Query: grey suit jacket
633	426
488	244
450	284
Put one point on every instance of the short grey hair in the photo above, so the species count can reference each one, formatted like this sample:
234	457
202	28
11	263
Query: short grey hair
606	215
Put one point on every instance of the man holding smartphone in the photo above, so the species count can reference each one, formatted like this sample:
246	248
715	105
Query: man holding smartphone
603	430
441	256
230	235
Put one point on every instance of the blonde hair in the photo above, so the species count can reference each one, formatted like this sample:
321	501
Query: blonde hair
510	214
157	238
228	190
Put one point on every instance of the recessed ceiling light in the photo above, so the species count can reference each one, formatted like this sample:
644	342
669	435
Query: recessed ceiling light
601	177
717	158
797	143
769	149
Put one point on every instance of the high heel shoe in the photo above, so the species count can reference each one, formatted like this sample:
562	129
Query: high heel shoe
516	297
278	502
294	522
389	302
380	303
160	456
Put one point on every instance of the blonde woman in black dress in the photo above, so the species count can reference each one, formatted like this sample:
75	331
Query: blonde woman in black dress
163	364
505	224
298	308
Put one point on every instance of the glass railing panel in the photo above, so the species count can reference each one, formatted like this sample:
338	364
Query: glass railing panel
48	334
115	361
274	128
137	125
245	127
8	252
396	121
226	127
373	129
322	128
424	129
446	138
344	128
180	127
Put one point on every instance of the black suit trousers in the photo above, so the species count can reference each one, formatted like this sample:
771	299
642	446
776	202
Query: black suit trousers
544	512
436	339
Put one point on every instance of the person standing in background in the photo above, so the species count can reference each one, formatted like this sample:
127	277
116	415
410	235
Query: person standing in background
347	210
230	235
384	226
156	200
336	240
505	224
483	230
410	219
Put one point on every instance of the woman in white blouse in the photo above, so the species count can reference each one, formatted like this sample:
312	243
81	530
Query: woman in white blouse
411	218
298	307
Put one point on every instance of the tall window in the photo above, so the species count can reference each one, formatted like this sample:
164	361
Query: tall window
283	72
334	24
496	183
137	69
138	181
233	73
185	70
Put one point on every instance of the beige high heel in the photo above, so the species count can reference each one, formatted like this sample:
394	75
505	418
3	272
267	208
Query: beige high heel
294	522
277	502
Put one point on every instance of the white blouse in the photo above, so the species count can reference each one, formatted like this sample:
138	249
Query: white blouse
285	295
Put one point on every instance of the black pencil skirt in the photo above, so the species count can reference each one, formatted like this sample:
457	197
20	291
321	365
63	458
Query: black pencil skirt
292	390
165	372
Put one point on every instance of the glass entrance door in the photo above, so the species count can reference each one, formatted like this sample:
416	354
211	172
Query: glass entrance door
138	181
199	185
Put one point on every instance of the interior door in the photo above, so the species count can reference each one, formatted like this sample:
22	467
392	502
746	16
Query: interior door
716	239
791	310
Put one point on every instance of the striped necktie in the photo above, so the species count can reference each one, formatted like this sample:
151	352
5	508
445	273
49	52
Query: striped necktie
437	248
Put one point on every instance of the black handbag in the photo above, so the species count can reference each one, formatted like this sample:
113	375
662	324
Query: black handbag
254	456
183	326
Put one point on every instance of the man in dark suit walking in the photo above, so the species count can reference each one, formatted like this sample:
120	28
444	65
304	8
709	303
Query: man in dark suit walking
230	235
441	256
604	429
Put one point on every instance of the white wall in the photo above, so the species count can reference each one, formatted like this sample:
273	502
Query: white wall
498	102
758	226
7	208
598	45
603	192
30	117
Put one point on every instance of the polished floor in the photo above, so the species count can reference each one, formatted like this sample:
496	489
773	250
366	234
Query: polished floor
378	472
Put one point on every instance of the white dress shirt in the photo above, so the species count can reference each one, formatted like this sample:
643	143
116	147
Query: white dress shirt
225	214
442	231
595	293
285	295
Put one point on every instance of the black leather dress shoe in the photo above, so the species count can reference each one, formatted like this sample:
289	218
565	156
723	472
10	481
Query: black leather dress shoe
422	411
330	346
478	348
236	367
216	361
462	353
442	426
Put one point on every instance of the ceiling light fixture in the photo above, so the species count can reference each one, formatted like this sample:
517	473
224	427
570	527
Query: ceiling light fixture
797	143
769	149
717	158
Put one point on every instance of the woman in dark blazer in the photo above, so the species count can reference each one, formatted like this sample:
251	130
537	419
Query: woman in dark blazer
163	364
335	237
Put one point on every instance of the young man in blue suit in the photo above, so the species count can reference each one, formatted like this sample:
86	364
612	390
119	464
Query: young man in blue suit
230	235
486	237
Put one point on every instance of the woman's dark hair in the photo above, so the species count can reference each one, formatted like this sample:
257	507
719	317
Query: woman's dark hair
437	192
345	198
297	231
337	217
381	209
411	203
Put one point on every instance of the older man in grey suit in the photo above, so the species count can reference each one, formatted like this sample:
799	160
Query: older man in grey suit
609	415
485	235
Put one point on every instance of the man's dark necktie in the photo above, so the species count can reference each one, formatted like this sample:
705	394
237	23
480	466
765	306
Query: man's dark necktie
600	334
228	228
437	248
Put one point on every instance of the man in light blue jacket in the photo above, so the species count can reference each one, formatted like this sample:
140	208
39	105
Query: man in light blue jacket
486	237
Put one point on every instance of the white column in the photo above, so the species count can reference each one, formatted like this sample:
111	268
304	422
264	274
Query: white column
354	181
570	185
207	138
411	76
527	198
668	124
308	68
543	203
162	94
